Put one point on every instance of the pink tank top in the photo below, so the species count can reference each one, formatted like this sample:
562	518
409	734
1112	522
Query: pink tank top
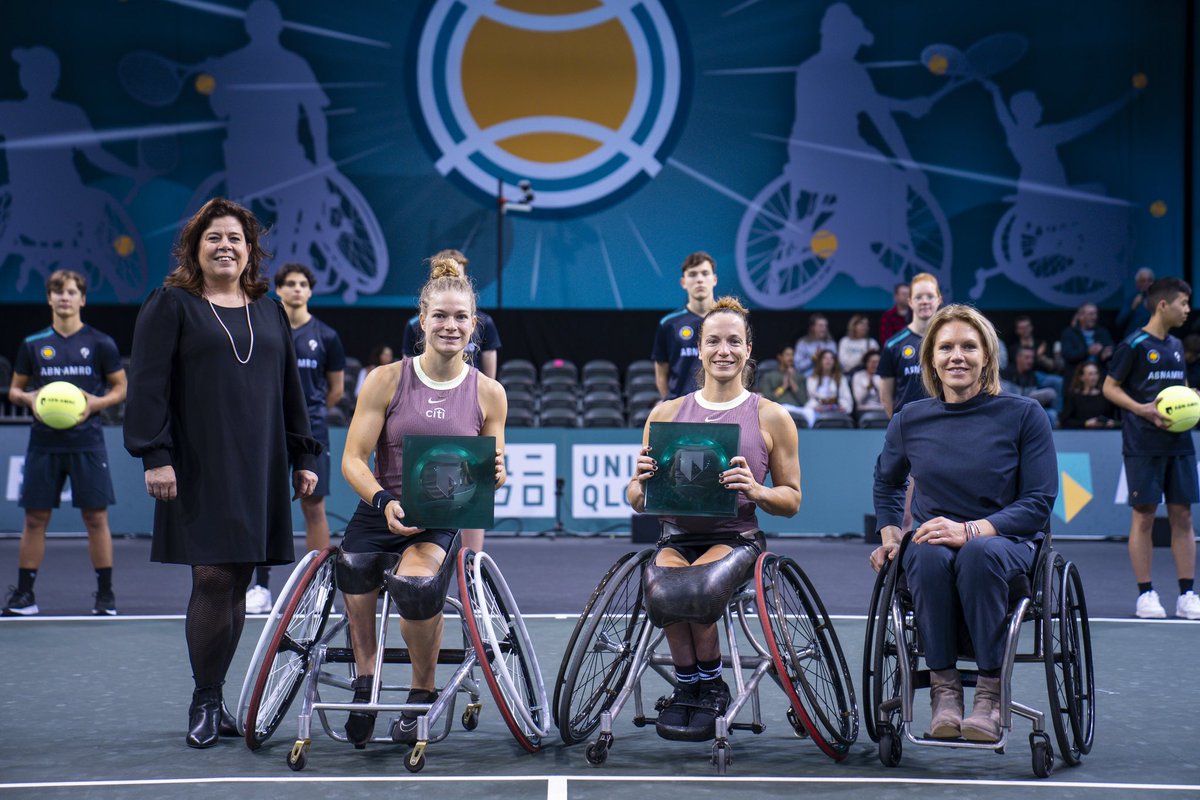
420	409
751	446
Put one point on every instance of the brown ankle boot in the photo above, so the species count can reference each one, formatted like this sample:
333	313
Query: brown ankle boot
946	697
984	723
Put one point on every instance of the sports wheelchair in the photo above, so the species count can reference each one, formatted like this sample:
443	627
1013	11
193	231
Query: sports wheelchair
614	643
297	654
1051	598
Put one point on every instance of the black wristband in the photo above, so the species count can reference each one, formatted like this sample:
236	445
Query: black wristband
381	499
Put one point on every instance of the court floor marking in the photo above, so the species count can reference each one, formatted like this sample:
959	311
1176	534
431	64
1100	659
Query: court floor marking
556	785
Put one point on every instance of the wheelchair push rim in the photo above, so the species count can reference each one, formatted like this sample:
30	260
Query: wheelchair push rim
503	648
600	652
295	625
1067	649
807	656
881	657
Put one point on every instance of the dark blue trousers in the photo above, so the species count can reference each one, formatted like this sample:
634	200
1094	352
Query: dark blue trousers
964	587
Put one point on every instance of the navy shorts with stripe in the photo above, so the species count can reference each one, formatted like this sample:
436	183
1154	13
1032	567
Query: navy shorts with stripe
1151	478
45	474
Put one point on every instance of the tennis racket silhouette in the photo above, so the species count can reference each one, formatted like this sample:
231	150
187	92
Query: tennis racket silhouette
988	56
153	79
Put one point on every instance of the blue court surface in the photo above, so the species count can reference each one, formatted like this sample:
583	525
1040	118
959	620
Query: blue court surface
98	707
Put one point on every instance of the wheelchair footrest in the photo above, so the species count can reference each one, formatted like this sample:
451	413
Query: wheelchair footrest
747	726
394	655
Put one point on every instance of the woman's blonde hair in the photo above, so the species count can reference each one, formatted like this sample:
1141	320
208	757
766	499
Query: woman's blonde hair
446	275
731	305
957	312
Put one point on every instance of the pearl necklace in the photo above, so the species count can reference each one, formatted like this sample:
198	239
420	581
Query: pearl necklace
232	345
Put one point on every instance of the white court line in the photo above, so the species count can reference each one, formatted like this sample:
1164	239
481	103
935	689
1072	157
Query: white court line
557	784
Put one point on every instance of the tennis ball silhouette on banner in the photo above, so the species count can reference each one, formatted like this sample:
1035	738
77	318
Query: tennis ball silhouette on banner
61	405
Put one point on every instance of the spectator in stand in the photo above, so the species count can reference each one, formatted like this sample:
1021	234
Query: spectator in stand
785	387
1133	314
1043	351
855	344
1023	379
1085	405
381	354
1191	358
899	315
865	385
1085	340
807	346
828	391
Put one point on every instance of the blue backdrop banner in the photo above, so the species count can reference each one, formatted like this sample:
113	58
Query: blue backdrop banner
1027	154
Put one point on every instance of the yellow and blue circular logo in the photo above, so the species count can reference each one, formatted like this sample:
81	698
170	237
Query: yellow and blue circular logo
583	98
686	332
908	351
1153	356
48	352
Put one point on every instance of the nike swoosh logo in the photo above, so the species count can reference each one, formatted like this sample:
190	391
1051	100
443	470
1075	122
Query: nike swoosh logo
439	400
714	417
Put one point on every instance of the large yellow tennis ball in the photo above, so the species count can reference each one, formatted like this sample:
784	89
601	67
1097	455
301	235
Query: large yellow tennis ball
1158	209
1140	81
1180	406
61	405
824	244
938	64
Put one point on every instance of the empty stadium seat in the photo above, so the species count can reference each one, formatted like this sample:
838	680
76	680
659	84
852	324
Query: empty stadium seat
558	418
603	418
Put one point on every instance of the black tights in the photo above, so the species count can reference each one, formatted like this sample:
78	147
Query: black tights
215	616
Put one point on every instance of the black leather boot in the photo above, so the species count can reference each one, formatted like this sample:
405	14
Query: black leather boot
228	725
204	718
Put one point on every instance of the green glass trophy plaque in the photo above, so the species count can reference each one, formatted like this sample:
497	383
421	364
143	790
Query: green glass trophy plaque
449	481
691	457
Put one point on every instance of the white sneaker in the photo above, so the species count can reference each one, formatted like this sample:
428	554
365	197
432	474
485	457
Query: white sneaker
1148	606
259	601
1188	606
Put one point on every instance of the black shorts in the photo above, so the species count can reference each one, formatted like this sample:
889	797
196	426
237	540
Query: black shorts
45	474
1151	478
367	532
693	545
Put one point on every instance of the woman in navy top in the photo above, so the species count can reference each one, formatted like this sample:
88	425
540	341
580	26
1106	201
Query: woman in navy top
986	480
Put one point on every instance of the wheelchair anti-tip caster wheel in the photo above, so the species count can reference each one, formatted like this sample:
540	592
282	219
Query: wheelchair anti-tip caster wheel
298	755
470	717
722	756
797	726
415	760
1043	754
597	751
891	746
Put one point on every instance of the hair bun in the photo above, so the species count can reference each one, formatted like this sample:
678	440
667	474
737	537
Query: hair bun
444	268
729	303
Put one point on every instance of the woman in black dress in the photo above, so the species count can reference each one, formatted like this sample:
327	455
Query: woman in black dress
217	415
1085	406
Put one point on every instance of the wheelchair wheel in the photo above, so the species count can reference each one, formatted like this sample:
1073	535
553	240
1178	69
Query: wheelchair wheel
600	652
808	658
1067	648
283	656
503	648
881	666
